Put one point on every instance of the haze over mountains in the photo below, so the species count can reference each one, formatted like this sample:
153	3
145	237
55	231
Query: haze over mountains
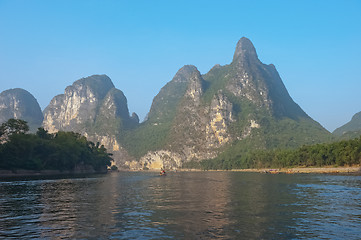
243	105
351	129
20	104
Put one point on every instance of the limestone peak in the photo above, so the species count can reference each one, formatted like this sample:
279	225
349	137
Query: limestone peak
184	73
245	49
100	84
20	104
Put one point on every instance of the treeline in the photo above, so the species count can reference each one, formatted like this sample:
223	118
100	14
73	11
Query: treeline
343	153
44	151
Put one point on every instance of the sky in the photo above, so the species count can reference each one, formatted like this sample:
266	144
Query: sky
314	44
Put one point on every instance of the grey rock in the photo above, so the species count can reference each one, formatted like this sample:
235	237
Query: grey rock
93	107
20	104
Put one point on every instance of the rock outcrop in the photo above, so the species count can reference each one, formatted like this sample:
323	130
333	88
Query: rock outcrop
93	107
20	104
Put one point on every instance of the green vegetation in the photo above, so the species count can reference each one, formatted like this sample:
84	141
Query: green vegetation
147	137
215	80
327	154
114	168
167	128
44	151
166	102
349	135
153	134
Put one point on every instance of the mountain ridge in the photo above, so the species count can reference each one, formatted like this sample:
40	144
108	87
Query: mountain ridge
351	128
231	105
228	111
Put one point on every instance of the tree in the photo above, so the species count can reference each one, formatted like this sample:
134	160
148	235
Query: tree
60	151
12	126
43	134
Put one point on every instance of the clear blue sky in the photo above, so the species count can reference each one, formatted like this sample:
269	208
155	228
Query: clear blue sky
315	45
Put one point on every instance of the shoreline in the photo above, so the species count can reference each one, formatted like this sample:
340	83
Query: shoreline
21	173
327	170
323	170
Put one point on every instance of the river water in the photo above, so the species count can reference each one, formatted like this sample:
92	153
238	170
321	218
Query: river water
183	205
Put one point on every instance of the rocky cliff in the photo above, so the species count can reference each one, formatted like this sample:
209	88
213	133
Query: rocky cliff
20	104
242	105
93	107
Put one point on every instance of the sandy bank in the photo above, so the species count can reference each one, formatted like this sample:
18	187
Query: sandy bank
329	170
352	169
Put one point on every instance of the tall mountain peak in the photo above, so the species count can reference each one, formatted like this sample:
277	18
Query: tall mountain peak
236	107
99	84
95	79
245	49
82	102
166	101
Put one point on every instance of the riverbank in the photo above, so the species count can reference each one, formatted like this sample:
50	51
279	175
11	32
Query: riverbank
327	170
356	170
19	173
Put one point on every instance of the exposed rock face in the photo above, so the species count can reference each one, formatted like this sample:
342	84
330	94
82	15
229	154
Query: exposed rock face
200	115
261	84
244	80
195	87
198	130
165	103
245	52
161	159
20	104
94	108
220	117
78	105
135	117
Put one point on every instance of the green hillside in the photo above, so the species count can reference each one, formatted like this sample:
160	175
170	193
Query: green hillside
263	115
350	129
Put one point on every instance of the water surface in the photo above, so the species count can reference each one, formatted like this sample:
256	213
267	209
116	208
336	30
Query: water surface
183	205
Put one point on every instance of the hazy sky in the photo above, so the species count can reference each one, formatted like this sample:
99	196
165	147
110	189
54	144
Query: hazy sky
315	46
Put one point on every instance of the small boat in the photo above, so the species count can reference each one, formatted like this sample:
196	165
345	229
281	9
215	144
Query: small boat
274	171
163	173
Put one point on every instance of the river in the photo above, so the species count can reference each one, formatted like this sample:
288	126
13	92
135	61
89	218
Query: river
183	205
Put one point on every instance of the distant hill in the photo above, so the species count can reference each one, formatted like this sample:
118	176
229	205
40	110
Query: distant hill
351	129
20	104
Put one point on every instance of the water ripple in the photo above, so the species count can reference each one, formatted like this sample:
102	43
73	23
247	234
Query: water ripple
205	205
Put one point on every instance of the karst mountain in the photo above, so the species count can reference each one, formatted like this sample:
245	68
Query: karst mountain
237	107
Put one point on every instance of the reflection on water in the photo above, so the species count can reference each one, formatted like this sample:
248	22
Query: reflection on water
194	205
